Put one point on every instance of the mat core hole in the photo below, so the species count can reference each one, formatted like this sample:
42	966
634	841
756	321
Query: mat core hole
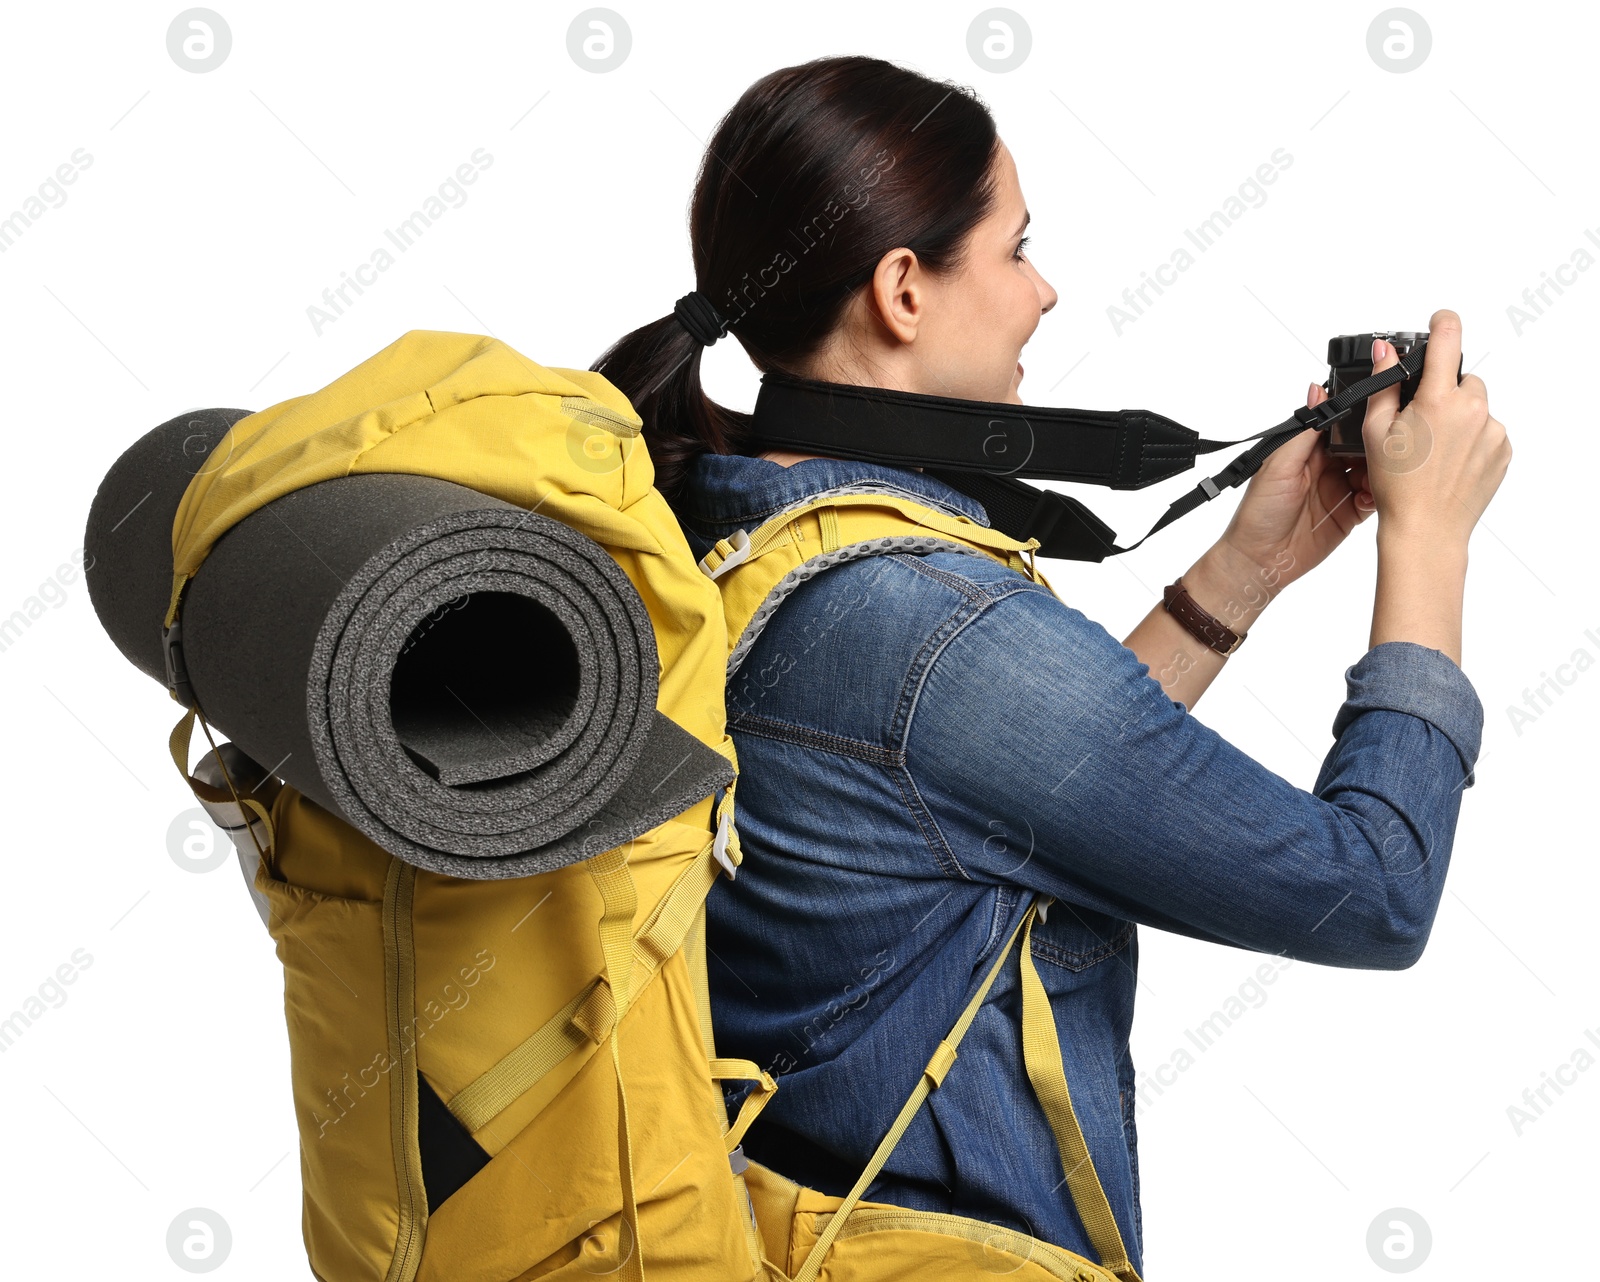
484	688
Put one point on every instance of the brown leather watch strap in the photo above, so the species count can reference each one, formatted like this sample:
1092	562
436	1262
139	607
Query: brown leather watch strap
1200	623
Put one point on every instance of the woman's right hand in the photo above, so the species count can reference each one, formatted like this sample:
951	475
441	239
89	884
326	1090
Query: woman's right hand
1433	467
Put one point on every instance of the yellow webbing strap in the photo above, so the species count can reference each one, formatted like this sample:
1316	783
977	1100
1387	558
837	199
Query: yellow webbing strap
485	1098
591	1014
1042	1053
932	1075
828	527
617	892
178	746
694	952
744	1070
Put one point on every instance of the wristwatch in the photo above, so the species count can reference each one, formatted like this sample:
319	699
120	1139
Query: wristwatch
1201	623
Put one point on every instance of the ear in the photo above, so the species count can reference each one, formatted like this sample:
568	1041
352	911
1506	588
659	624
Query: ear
898	297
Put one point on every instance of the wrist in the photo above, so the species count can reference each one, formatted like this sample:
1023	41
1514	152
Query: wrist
1233	587
1397	545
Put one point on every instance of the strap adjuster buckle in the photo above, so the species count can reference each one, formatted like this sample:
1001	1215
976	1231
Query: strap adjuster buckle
739	542
719	845
1319	415
177	671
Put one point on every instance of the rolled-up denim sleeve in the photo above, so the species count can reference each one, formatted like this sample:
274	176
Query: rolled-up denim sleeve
1035	718
1402	676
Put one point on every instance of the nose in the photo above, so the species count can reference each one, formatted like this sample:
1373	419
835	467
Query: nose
1047	295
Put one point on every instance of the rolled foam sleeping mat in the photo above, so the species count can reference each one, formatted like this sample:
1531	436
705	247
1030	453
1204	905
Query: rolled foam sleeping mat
470	684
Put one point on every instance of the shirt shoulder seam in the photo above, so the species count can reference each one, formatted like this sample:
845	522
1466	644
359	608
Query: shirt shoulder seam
926	659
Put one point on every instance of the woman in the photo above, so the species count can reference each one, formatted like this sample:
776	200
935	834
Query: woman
934	741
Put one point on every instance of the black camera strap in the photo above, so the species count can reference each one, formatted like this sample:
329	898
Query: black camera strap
983	448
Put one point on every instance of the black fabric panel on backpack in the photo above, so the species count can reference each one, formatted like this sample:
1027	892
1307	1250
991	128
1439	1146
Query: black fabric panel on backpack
450	1156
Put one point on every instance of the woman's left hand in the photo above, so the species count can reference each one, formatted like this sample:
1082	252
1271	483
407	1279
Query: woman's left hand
1299	506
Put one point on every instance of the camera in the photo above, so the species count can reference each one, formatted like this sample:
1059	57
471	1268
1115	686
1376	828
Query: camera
1350	361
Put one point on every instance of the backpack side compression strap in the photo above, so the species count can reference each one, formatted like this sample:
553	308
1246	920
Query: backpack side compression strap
590	1014
614	879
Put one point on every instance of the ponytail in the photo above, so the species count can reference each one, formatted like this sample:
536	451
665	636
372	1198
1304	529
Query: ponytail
657	367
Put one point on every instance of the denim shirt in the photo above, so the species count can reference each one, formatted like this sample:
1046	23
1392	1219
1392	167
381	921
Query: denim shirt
929	742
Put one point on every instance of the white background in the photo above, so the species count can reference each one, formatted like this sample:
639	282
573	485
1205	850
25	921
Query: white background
219	206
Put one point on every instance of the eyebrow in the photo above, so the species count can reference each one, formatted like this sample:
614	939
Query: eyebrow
1026	219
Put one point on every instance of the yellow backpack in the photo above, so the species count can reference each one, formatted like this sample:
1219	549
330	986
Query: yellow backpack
558	1026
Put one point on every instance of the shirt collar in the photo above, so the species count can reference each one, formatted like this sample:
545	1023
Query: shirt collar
741	491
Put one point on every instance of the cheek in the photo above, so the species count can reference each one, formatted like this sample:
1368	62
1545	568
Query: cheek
1025	305
1010	308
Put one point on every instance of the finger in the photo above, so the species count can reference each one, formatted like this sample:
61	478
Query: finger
1292	456
1472	383
1336	495
1495	426
1361	487
1443	356
1382	406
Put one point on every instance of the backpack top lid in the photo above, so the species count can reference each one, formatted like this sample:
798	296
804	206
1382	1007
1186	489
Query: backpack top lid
470	409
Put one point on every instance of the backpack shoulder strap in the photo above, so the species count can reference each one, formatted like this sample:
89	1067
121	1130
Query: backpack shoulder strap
849	514
933	1074
1042	1053
757	570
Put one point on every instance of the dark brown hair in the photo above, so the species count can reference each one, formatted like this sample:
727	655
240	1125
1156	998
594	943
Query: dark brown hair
814	174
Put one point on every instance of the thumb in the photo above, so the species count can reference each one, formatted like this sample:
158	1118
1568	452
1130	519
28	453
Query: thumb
1290	458
1298	450
1293	455
1361	487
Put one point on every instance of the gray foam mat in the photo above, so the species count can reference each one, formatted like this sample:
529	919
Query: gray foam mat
470	684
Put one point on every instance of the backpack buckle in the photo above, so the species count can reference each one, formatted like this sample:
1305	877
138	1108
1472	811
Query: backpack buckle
738	545
719	844
177	672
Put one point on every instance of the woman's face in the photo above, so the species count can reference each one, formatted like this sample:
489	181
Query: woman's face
957	336
979	320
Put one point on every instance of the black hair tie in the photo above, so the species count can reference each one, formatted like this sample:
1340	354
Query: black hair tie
696	314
